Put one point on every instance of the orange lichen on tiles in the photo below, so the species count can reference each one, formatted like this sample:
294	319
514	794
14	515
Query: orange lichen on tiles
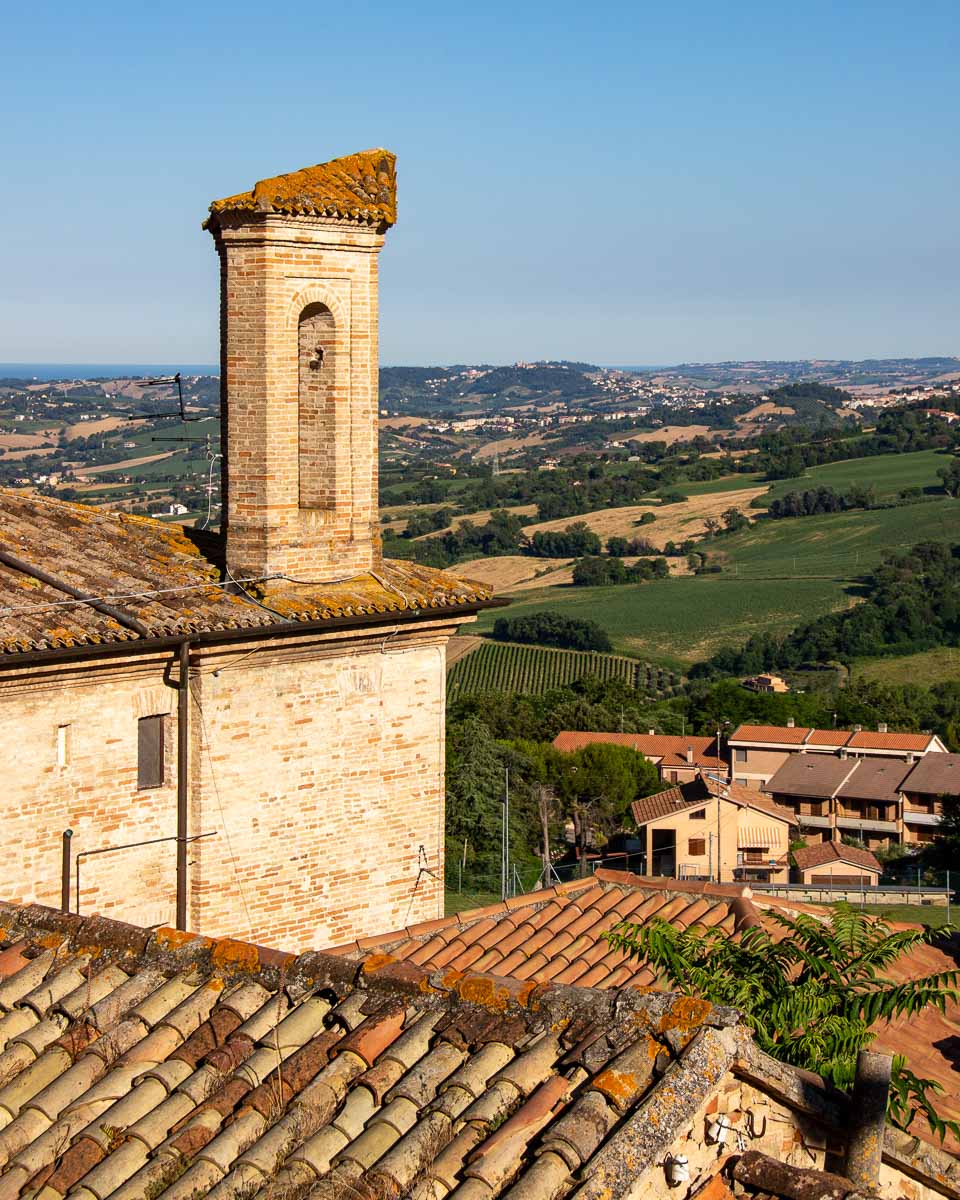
359	187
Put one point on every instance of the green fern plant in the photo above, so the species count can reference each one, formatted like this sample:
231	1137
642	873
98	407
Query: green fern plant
811	995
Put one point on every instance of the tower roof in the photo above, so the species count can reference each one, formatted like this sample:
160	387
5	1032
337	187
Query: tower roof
360	187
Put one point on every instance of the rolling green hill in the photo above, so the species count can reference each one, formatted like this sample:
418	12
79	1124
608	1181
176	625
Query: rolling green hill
888	473
777	574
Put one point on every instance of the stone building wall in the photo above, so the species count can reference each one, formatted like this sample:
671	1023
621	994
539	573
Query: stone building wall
317	762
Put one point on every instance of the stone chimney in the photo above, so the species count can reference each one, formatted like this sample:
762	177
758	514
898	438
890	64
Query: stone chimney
791	723
299	370
858	729
882	727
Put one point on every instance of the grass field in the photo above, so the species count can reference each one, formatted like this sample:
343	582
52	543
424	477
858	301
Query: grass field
913	914
533	670
839	546
777	575
679	621
888	473
928	667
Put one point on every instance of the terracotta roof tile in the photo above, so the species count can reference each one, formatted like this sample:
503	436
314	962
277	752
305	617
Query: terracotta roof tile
359	187
866	739
772	734
821	853
875	779
668	749
165	580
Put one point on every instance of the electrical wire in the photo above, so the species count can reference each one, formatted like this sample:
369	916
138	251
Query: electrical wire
258	603
11	610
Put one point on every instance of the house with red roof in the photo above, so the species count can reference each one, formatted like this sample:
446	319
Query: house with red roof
678	759
709	829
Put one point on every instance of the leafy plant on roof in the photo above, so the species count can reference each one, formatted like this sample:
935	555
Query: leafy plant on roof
812	992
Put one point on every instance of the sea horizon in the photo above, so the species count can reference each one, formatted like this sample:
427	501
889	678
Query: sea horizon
50	372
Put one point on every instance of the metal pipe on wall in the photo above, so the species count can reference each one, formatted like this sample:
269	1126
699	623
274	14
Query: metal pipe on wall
183	780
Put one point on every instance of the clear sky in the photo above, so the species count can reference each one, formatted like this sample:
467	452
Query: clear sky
611	182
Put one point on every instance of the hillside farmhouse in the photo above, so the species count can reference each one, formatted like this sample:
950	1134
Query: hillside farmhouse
241	732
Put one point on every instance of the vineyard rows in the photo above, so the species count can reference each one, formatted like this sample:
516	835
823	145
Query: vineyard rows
533	670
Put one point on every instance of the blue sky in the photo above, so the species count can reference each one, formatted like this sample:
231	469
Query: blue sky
619	183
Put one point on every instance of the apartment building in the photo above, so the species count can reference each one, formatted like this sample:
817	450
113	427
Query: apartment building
876	800
757	752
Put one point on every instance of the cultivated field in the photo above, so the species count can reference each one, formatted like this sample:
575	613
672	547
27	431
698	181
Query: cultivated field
777	574
533	670
507	571
888	473
668	433
124	464
679	621
675	522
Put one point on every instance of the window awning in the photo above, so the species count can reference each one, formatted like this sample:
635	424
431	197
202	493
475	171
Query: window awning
759	837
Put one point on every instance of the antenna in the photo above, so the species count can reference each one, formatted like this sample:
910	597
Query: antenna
166	381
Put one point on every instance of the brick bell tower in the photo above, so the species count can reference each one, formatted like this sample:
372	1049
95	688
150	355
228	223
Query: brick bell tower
299	367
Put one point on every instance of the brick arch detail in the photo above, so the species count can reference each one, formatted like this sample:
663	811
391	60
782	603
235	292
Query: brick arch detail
316	293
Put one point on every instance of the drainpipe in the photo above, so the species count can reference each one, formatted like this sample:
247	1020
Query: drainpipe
183	779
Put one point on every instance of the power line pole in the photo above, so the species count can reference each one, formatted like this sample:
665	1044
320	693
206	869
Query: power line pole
505	840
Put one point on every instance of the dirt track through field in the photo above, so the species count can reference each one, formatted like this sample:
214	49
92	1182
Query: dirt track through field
82	472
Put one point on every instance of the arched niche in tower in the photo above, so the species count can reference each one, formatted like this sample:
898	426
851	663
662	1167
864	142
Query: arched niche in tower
317	397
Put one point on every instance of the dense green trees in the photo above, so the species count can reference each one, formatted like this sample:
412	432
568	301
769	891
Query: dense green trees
597	571
552	629
571	542
821	500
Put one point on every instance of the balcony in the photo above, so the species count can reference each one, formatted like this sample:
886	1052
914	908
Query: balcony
813	822
920	818
757	862
855	824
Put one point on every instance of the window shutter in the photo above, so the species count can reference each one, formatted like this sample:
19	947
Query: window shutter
697	847
150	752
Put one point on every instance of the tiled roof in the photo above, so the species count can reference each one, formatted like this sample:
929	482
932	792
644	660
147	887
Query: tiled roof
816	775
662	804
359	187
555	936
669	749
821	853
934	775
156	1064
875	779
696	792
775	734
161	580
828	737
866	739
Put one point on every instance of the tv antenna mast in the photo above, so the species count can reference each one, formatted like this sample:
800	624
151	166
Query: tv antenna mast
166	381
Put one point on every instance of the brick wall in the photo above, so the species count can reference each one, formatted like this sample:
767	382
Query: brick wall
317	762
299	499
